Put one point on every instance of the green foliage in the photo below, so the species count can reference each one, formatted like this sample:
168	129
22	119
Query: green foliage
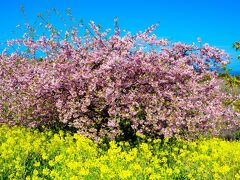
236	45
230	80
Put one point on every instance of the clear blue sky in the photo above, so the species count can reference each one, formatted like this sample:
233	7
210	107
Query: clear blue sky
217	22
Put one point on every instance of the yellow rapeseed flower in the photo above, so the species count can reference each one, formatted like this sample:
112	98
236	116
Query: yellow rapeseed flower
36	164
124	174
45	171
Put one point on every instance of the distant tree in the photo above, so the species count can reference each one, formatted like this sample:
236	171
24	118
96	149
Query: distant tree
236	45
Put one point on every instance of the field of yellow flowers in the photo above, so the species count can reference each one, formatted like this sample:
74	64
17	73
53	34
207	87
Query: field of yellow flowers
30	154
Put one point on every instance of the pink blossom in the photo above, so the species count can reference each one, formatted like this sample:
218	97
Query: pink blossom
199	39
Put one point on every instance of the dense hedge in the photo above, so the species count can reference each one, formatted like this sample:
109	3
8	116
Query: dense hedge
114	86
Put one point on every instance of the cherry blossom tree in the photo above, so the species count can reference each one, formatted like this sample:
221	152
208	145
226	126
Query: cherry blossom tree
108	84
